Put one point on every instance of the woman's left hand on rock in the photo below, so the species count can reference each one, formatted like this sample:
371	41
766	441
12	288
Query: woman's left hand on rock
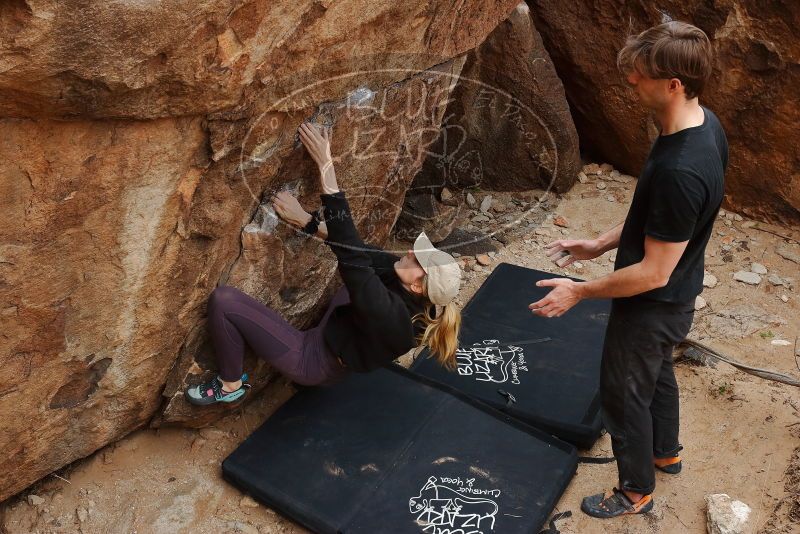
289	209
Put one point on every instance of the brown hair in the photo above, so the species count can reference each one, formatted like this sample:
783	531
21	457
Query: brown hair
670	50
441	332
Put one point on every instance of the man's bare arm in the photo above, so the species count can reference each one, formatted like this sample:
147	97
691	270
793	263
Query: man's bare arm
660	259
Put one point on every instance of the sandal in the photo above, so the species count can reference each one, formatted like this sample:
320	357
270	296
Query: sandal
211	392
615	503
673	467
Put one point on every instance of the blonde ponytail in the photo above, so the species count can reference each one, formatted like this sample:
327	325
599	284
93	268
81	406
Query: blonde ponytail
441	334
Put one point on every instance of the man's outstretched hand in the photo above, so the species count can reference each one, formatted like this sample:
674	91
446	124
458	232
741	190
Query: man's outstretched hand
565	251
566	293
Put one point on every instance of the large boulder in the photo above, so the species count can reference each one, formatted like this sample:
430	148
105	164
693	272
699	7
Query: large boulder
139	143
754	89
507	127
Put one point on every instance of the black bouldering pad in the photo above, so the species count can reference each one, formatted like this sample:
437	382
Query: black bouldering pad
388	451
550	368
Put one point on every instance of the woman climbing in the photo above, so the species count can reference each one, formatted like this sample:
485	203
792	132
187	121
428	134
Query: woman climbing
386	308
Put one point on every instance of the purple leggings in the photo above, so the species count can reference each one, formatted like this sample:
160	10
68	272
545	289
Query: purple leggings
235	318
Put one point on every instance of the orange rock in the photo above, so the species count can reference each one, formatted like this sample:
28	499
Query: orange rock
755	74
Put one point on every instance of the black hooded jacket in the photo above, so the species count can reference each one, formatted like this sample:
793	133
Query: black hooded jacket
375	327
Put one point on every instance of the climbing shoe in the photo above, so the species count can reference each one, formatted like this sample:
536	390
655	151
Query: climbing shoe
673	466
212	392
615	503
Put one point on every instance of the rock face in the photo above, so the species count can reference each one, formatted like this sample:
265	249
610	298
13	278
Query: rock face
139	143
295	274
755	85
508	127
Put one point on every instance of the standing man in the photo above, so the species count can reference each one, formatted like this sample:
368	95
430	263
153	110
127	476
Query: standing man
659	267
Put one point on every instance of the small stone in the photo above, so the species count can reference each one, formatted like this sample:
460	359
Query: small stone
483	259
560	221
35	500
781	342
722	213
737	217
601	185
486	203
578	265
211	433
789	254
448	198
541	231
748	224
784	298
775	280
611	198
480	219
725	515
614	175
592	168
582	178
709	280
471	202
477	268
606	167
747	277
758	268
699	303
197	444
456	254
492	253
728	223
612	258
82	513
247	502
729	216
498	207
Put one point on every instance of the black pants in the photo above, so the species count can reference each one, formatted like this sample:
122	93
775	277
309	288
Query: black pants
638	388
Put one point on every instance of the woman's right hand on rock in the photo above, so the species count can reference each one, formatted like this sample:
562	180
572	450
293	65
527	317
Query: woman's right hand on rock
289	209
317	140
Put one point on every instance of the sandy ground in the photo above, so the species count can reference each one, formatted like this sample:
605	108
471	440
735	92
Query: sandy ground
741	433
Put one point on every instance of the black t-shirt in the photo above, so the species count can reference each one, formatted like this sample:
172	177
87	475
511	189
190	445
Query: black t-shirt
677	199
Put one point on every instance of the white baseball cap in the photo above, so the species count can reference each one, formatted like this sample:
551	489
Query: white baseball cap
444	274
